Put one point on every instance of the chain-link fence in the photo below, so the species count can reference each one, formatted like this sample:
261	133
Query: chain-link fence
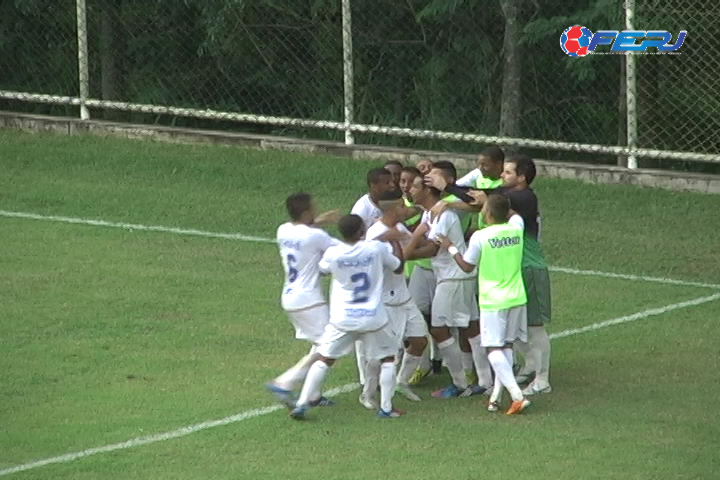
679	95
492	68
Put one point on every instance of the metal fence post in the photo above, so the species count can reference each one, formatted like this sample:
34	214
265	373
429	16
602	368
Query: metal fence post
83	77
348	87
631	89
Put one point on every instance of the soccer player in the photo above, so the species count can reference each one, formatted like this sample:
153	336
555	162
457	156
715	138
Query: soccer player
454	303
403	313
497	251
488	172
301	248
394	167
424	166
356	312
518	175
379	181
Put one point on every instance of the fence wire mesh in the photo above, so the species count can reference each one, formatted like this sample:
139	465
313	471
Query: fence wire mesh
679	95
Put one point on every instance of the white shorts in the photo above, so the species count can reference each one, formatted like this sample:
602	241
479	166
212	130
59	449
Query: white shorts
455	304
500	327
310	322
407	320
379	344
422	288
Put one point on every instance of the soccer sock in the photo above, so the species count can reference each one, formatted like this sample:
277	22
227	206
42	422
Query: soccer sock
409	364
497	391
479	356
435	352
313	383
467	362
508	352
297	373
504	373
372	378
451	353
541	344
361	361
387	385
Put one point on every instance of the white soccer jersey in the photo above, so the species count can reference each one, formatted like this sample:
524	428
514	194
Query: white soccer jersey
367	210
301	248
447	224
356	290
469	179
395	290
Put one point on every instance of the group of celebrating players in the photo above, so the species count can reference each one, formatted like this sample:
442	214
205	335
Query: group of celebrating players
429	270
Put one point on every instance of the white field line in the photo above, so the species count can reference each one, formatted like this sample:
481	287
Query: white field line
251	238
184	431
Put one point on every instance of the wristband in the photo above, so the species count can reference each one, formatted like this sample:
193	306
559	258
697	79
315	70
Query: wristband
453	250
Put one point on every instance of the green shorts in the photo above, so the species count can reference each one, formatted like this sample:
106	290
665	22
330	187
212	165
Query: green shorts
537	287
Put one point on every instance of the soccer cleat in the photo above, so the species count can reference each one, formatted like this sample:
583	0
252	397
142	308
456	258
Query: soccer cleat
518	406
284	396
394	413
298	413
369	403
418	376
473	390
534	389
493	407
405	391
447	392
322	402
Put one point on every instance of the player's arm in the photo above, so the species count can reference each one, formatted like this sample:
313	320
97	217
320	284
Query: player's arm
328	218
392	256
467	262
420	246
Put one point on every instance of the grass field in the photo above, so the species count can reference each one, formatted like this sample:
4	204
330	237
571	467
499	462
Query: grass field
109	334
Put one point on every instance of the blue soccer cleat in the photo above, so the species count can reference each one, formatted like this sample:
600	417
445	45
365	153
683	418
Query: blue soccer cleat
286	397
298	413
394	413
322	402
447	392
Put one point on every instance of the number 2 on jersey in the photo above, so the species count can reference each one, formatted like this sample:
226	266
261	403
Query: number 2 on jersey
292	271
360	290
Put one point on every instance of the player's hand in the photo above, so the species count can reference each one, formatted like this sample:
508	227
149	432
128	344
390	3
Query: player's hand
332	216
434	179
479	197
444	241
422	229
438	208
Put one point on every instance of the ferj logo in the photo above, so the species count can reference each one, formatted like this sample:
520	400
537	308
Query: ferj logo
579	41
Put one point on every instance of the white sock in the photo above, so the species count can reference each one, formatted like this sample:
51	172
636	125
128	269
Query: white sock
508	352
313	383
479	356
540	343
425	359
409	364
372	378
467	362
435	352
297	373
504	373
497	391
451	354
361	361
387	385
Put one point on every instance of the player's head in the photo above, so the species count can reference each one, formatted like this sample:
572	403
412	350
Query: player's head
394	167
300	207
519	171
352	228
446	169
423	194
379	180
391	205
407	176
490	162
424	166
496	209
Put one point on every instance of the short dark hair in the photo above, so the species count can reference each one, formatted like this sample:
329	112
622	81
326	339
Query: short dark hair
413	170
494	153
297	204
350	225
525	166
447	167
393	162
498	207
375	175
